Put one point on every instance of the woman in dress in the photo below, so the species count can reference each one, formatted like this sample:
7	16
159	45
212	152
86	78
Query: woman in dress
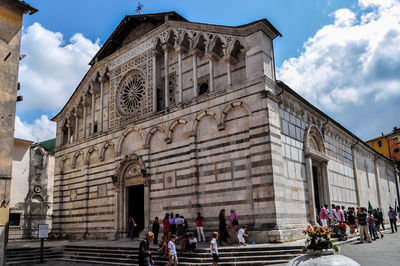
222	227
166	226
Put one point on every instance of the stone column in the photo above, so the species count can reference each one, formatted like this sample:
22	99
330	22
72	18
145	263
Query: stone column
211	70
228	60
76	126
355	173
378	183
84	120
165	48
147	203
69	132
91	91
310	186
154	57
195	82
101	80
178	49
228	71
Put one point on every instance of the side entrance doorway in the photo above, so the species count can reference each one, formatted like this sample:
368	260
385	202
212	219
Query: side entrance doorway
135	206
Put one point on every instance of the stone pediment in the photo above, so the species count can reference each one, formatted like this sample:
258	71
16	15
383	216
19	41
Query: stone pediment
132	28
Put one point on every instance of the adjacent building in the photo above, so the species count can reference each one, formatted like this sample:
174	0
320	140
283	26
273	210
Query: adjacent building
11	13
184	117
388	145
31	188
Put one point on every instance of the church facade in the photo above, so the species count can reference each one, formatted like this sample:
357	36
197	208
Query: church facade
183	117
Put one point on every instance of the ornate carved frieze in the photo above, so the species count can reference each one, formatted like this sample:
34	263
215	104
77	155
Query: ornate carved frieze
163	37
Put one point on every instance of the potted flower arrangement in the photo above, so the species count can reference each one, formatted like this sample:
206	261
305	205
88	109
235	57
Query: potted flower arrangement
320	250
319	241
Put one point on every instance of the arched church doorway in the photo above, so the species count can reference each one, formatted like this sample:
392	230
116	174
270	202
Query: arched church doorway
131	198
135	205
316	171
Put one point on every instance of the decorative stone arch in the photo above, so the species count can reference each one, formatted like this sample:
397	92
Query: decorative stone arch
172	127
170	35
90	151
196	42
184	40
106	145
232	105
205	113
123	136
152	131
76	155
316	161
62	162
131	171
314	141
214	45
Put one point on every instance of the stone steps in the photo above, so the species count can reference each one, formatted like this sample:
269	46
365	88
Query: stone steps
254	255
104	255
28	256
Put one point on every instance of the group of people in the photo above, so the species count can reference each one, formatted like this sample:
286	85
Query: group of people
175	230
369	223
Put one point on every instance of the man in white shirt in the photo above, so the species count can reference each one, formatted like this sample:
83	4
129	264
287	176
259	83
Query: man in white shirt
173	257
214	249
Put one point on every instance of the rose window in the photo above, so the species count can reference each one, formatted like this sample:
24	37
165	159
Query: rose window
131	93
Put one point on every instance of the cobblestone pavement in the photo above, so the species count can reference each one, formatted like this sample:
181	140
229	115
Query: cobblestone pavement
383	252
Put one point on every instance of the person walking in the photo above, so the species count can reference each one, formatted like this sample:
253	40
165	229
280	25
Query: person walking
166	226
377	223
392	218
233	224
155	229
223	233
371	225
173	257
381	219
241	235
332	215
362	219
144	258
199	226
323	215
214	249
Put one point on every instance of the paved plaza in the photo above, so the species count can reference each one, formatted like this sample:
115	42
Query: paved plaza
384	252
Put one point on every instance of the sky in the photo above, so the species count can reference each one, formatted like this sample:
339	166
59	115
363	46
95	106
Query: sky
343	56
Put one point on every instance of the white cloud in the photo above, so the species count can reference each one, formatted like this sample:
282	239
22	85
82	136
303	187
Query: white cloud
351	62
52	69
41	129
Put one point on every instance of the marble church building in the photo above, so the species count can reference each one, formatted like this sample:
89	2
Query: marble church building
184	117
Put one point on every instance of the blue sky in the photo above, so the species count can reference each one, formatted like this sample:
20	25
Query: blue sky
330	53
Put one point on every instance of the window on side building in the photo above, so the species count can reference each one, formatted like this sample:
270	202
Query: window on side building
380	143
14	219
396	150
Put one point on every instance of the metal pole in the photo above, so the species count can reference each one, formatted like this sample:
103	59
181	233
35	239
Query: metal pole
41	249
